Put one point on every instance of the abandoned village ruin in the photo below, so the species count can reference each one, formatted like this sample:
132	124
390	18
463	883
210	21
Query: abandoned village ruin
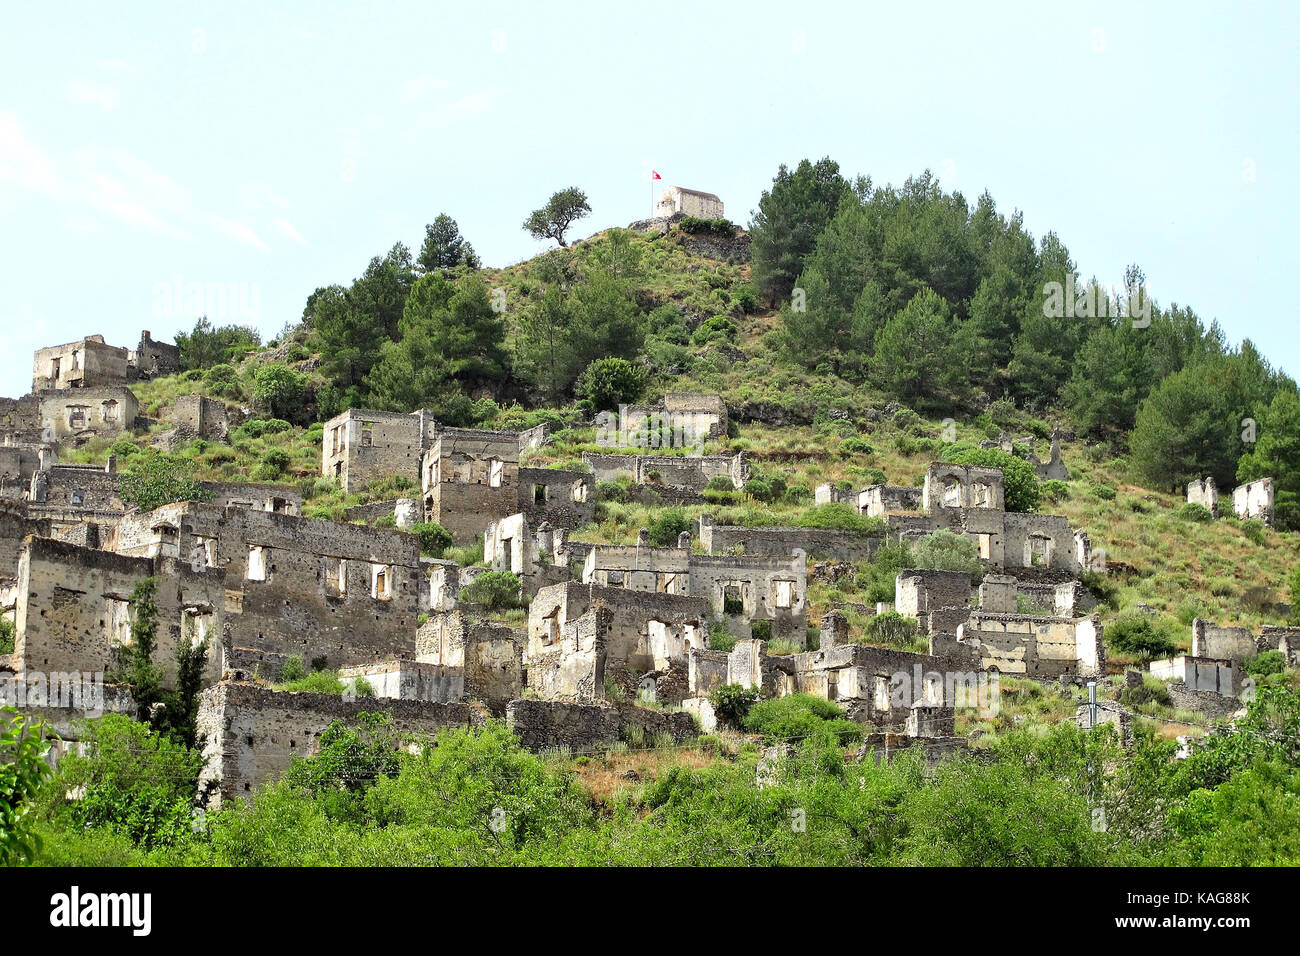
616	637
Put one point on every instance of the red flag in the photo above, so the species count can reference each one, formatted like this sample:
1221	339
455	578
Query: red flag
655	175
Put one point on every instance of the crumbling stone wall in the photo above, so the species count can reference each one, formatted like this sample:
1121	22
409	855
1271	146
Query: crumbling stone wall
691	473
255	496
778	542
565	499
76	490
282	574
488	655
85	363
73	612
769	588
1206	674
922	591
252	733
75	416
646	635
363	445
963	486
193	416
470	478
547	725
1029	646
1229	643
1254	500
1205	493
151	358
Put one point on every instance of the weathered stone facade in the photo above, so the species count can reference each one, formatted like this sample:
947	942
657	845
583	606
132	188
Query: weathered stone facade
252	733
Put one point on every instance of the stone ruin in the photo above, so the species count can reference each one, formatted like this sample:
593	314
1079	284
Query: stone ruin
608	628
1251	500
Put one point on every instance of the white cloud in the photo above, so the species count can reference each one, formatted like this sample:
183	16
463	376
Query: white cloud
119	67
23	163
240	233
286	228
127	188
102	96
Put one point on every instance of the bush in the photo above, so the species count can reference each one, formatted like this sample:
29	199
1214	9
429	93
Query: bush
496	590
695	225
609	382
732	702
257	427
761	630
667	526
277	459
279	388
1136	634
8	634
1019	480
853	445
434	538
942	550
891	629
123	448
1104	492
1150	691
1265	663
840	516
1194	512
1055	491
799	716
610	491
717	329
317	682
293	669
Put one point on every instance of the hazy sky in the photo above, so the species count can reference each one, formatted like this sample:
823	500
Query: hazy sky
148	147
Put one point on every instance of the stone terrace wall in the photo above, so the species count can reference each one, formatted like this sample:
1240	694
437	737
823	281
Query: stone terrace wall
252	733
780	542
541	725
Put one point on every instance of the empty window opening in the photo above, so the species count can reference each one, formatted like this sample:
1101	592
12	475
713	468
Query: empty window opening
381	581
257	563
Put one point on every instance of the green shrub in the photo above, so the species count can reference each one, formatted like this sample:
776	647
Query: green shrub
434	538
942	550
891	629
761	630
717	329
732	702
1104	492
609	382
317	682
841	516
1136	634
799	716
1055	491
610	491
277	459
667	526
495	590
1194	512
293	669
257	427
1019	480
123	448
1265	663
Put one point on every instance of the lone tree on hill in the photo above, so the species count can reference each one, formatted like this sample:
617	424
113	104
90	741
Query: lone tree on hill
553	220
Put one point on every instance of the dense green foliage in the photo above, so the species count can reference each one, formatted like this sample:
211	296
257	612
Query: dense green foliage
152	479
22	767
478	798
